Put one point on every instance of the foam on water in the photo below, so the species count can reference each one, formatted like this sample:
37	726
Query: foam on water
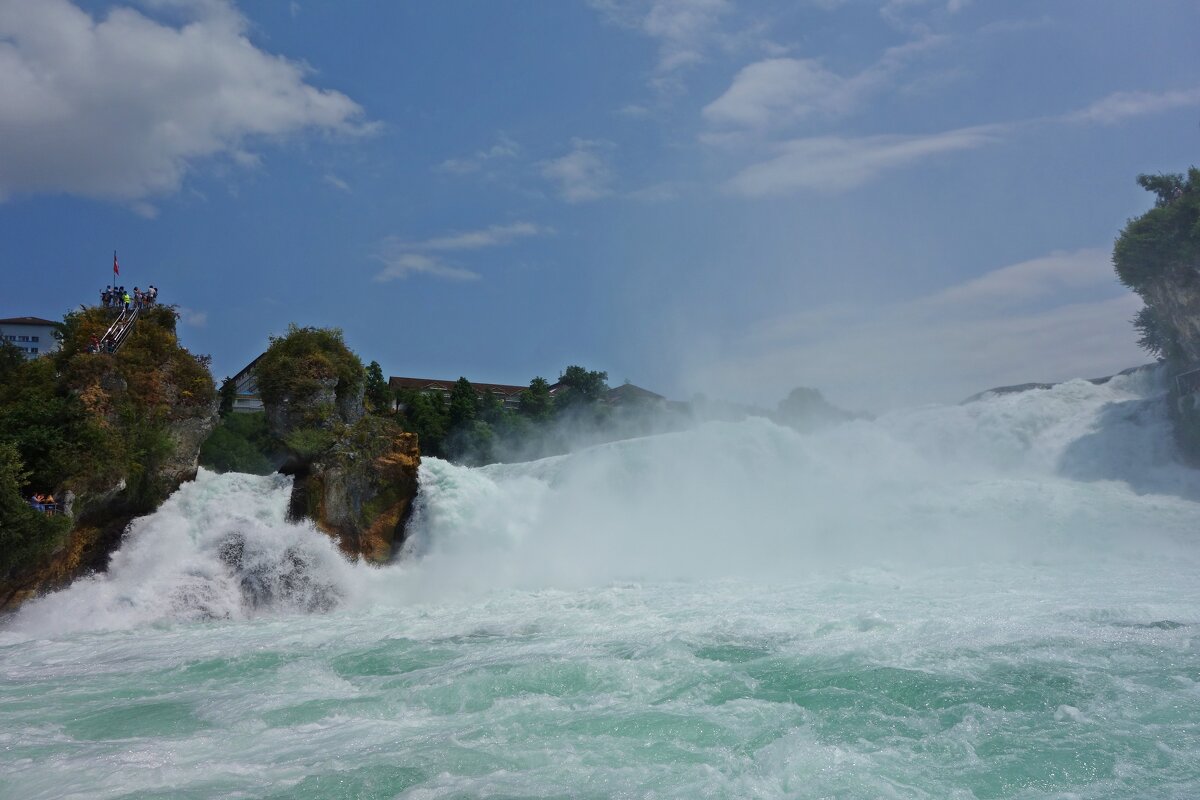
989	600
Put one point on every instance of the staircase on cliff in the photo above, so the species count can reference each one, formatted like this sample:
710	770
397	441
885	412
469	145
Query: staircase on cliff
119	331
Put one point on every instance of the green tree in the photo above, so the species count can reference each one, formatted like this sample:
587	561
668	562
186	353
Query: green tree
580	387
378	393
11	360
1165	241
241	443
1166	187
228	395
25	533
301	363
464	404
425	415
536	402
1154	336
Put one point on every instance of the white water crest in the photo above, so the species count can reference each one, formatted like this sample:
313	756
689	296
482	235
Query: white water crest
997	599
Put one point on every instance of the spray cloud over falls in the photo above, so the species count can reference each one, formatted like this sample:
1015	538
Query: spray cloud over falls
1078	473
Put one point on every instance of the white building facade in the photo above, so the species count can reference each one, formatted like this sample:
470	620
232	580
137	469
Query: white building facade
34	336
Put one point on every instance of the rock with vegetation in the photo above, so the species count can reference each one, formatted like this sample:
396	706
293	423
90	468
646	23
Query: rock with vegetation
110	436
242	443
311	384
361	491
355	473
1158	256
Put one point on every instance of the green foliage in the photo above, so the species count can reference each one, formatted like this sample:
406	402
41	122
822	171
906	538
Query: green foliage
228	395
425	415
536	402
378	395
1164	241
1165	187
298	365
463	404
241	443
472	443
1154	336
25	533
308	443
11	360
580	387
82	421
52	431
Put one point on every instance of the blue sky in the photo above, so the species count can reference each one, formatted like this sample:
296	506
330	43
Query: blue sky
896	201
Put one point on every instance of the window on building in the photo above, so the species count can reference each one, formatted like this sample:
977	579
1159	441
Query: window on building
33	350
33	338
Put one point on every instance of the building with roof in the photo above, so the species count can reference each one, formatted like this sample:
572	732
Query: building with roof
508	395
628	393
33	336
246	397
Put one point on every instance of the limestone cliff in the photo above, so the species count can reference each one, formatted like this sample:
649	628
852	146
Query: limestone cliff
361	491
116	435
355	474
1158	256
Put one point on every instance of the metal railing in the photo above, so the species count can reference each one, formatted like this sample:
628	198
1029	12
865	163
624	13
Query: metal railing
1188	382
49	509
119	331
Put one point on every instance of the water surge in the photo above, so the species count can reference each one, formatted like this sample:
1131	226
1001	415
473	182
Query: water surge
989	600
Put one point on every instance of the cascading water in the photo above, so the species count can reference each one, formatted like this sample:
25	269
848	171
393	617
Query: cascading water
990	600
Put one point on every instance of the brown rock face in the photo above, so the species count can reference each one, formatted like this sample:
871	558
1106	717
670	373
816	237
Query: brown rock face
1176	299
362	490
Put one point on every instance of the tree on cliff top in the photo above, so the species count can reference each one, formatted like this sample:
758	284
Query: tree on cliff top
378	394
580	387
300	364
1165	241
1161	245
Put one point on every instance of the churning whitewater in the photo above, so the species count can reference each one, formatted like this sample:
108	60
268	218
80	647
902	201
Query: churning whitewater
997	599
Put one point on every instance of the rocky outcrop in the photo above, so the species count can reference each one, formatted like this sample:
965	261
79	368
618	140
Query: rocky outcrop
1175	298
1176	301
100	514
361	491
355	475
322	410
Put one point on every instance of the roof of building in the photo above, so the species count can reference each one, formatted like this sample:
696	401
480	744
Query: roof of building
628	391
27	321
434	384
248	367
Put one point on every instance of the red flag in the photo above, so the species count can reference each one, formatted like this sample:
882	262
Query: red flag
116	266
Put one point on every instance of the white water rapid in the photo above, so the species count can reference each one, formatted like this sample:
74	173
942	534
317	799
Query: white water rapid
998	599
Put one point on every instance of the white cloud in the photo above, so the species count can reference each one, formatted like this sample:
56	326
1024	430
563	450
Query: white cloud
899	12
833	163
780	91
403	258
399	265
336	182
581	174
122	107
685	29
787	87
1039	277
490	236
1122	105
1019	323
504	148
